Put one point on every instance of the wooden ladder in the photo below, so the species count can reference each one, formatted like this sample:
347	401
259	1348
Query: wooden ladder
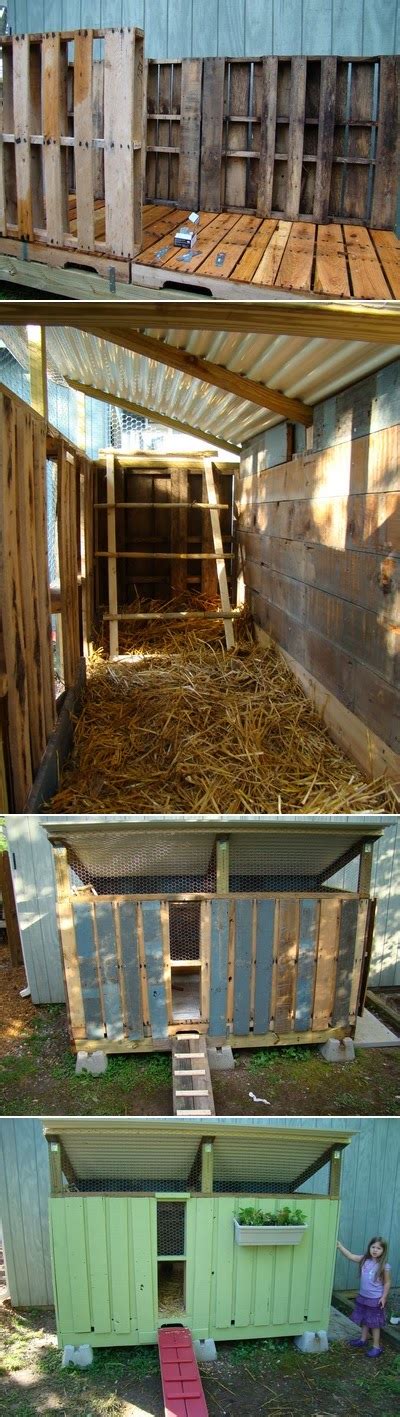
181	1382
191	1078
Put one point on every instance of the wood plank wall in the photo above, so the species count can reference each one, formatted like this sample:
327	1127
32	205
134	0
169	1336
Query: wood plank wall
369	1191
26	653
182	28
25	602
295	962
320	538
57	138
286	137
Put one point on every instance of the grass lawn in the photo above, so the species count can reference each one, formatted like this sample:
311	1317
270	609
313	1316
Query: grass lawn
263	1379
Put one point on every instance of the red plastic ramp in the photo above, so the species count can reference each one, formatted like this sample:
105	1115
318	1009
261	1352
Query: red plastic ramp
181	1381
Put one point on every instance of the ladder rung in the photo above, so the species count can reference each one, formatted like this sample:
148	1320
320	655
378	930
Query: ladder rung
189	1055
200	1111
192	1092
189	1072
194	1035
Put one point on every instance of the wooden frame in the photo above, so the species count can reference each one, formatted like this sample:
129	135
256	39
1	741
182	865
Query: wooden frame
26	664
55	133
301	981
304	137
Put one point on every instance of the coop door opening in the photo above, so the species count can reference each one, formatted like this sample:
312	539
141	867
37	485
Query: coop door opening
171	1258
185	959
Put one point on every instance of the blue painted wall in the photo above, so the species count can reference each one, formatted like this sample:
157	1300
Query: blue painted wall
176	29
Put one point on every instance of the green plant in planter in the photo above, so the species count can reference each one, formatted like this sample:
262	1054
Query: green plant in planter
250	1215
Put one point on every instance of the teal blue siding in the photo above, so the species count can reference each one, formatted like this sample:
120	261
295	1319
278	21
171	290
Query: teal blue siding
83	919
230	27
365	407
109	969
130	968
218	967
264	961
306	963
155	968
243	950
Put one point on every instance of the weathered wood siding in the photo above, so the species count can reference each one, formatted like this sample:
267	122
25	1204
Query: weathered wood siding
369	1191
32	868
320	538
176	29
24	1189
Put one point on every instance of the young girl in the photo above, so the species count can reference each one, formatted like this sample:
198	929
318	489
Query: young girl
369	1308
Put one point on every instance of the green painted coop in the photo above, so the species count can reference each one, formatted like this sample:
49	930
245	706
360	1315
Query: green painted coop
145	1228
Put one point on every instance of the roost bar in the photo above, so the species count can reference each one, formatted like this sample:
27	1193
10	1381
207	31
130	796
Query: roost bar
290	163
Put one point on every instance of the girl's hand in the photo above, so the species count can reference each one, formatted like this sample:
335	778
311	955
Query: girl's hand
381	1302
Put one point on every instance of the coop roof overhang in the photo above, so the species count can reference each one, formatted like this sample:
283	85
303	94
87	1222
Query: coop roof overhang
128	1150
225	380
309	850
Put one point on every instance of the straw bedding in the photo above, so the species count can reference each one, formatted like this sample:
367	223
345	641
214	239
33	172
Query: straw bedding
185	726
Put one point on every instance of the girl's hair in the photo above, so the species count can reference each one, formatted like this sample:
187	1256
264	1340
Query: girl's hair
377	1240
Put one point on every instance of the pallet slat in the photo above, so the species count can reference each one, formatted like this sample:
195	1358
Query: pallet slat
83	133
55	61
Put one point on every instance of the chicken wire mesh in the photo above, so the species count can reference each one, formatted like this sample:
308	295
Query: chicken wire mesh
170	1229
173	863
260	1164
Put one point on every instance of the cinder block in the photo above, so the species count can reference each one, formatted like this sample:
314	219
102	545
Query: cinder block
81	1357
205	1350
91	1062
312	1342
221	1060
338	1050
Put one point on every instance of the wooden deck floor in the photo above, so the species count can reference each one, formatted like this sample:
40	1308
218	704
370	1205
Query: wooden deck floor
334	260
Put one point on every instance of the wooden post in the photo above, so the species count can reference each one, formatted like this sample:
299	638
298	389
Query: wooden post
37	368
365	869
67	544
40	503
207	1167
222	851
56	1180
36	665
179	529
66	926
10	910
219	552
335	1168
12	616
112	547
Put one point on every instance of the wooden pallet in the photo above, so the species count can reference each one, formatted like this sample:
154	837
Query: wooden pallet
72	125
191	1078
301	136
269	255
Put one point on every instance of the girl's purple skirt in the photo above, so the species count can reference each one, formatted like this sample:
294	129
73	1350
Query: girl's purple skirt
366	1311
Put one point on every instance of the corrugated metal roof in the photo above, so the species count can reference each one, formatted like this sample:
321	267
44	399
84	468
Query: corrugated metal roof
307	369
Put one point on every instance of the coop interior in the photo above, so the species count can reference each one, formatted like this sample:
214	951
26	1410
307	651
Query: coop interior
289	164
209	622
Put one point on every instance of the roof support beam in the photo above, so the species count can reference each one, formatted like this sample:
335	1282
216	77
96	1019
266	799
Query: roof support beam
152	415
37	368
209	373
316	319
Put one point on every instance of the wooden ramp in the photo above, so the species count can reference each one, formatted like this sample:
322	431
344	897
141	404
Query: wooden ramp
181	1382
191	1078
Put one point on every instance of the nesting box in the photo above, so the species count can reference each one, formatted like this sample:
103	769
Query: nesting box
239	929
142	1229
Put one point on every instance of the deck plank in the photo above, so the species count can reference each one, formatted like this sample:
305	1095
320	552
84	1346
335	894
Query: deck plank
367	278
330	267
295	270
270	262
387	246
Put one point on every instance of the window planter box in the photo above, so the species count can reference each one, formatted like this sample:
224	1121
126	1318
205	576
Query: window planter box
268	1234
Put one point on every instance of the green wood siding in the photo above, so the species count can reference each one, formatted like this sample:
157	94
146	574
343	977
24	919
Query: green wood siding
104	1251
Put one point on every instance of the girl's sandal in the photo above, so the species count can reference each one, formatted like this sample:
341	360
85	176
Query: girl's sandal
358	1343
374	1352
